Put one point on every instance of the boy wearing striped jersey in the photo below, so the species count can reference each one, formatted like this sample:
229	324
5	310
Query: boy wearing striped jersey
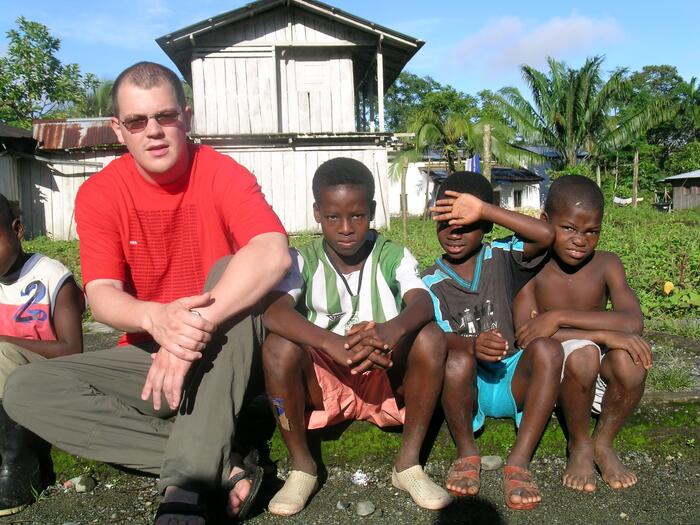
473	284
352	339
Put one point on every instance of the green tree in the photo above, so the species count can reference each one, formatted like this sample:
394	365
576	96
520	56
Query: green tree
684	160
98	101
572	110
404	96
33	82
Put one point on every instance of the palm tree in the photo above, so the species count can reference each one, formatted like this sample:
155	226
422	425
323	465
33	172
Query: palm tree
98	101
572	108
454	132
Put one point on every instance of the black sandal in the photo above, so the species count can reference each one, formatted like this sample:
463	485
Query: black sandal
180	508
252	472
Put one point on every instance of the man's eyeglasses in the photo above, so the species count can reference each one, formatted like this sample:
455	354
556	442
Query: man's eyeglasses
136	123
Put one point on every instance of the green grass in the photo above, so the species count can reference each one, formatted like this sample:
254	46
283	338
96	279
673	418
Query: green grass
670	372
672	429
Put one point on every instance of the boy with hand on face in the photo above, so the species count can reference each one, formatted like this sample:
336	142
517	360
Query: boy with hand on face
605	359
352	339
40	312
473	284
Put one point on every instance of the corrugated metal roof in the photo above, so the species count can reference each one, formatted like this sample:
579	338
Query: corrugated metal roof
15	133
77	133
690	175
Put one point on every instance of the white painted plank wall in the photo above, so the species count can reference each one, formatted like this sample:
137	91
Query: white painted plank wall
9	177
48	193
272	28
285	176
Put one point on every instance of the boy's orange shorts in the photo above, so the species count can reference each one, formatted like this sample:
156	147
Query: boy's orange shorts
366	397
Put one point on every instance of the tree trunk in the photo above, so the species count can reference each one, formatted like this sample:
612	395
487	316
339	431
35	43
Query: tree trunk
404	203
635	178
597	174
487	152
617	168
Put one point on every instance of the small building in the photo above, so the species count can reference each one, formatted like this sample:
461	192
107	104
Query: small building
686	190
279	85
16	146
284	85
514	188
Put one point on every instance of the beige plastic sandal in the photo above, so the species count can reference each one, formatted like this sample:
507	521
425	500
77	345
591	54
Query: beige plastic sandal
293	496
424	491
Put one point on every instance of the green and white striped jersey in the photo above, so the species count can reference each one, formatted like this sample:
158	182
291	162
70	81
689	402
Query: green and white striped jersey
321	295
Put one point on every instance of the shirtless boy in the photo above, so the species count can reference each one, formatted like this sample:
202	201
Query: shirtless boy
606	360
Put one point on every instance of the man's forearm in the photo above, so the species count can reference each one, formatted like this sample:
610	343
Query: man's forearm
111	305
250	274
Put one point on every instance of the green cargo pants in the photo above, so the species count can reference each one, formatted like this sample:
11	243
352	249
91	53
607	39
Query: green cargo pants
90	405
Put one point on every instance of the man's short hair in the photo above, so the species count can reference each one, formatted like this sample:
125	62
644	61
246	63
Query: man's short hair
9	211
147	75
574	190
343	171
467	182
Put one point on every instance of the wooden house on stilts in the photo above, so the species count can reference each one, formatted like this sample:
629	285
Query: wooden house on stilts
284	85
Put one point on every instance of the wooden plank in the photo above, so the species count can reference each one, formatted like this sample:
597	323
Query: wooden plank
347	102
211	124
198	92
268	97
296	197
232	96
380	87
292	100
282	90
253	94
222	97
242	97
281	163
335	92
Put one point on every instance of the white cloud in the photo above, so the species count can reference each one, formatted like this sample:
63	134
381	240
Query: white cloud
506	43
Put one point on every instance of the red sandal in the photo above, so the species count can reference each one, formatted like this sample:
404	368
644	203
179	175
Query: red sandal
464	469
510	485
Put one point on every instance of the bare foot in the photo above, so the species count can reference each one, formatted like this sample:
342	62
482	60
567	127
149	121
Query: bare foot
580	469
237	494
612	470
178	495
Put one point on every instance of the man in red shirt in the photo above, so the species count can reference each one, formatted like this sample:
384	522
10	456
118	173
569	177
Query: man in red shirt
152	225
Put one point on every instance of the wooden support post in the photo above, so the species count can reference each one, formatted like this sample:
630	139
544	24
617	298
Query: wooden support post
380	84
487	152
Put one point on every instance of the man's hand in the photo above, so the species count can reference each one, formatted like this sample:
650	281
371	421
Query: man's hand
458	208
634	345
490	346
166	376
179	329
543	325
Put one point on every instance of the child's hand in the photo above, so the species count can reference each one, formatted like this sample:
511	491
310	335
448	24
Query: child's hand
370	345
490	346
638	349
458	208
542	325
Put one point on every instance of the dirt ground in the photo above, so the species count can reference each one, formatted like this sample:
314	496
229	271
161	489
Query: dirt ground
667	493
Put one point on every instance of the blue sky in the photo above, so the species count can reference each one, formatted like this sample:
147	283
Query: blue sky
470	45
